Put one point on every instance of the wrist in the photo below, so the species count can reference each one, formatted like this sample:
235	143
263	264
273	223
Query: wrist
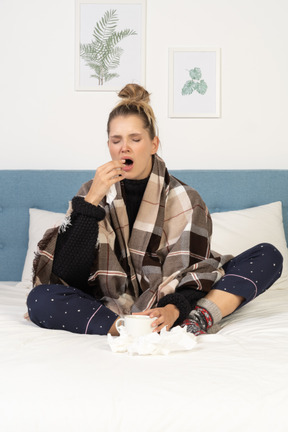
92	200
173	309
81	206
180	302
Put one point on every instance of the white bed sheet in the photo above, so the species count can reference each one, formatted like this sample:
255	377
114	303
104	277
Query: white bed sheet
235	380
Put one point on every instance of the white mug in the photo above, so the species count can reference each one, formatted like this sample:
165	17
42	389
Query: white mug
136	325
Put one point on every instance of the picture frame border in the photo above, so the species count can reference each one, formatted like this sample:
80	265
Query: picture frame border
78	4
171	110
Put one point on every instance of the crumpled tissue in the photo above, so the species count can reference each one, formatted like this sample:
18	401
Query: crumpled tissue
163	343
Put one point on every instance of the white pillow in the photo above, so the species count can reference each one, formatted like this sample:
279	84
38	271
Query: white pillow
236	231
40	221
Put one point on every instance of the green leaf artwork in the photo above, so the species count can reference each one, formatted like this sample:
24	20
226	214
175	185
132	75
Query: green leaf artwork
195	83
102	55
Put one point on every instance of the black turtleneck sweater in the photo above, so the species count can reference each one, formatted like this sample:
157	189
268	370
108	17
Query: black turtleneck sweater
133	191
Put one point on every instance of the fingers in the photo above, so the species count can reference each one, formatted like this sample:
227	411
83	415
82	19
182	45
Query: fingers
110	171
160	321
105	176
109	174
165	317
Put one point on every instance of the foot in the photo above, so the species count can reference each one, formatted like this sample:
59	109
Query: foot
199	321
193	326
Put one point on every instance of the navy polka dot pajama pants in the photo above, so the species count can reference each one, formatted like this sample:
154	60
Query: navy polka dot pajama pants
66	308
252	272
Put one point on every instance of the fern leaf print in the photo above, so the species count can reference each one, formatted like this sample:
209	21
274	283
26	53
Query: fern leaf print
103	54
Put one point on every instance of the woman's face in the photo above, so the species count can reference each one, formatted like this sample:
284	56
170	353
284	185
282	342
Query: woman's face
130	141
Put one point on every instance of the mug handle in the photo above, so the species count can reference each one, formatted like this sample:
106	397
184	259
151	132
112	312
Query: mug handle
119	323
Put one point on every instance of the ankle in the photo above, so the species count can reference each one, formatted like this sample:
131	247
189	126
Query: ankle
204	316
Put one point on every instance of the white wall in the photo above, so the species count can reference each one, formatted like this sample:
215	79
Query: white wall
45	123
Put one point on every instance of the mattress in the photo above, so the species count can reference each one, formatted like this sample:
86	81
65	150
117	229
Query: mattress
235	380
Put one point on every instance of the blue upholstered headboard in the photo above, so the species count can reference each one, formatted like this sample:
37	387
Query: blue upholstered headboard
51	190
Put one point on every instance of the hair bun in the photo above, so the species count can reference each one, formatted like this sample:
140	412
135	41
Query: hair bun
135	101
134	93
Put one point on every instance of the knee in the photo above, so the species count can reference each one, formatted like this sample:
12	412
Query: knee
273	259
272	253
36	302
36	294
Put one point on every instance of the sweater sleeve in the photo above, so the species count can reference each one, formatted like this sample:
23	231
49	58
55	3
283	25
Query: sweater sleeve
184	299
76	246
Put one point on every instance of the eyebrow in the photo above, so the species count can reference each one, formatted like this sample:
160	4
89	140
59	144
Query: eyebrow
136	134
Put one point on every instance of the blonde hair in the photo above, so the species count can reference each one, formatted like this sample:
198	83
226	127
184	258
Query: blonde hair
135	101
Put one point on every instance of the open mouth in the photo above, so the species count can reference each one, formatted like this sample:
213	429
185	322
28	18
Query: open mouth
128	165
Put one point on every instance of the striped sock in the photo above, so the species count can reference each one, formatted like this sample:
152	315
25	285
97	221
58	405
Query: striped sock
203	317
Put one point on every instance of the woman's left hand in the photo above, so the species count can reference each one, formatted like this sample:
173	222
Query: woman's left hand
166	316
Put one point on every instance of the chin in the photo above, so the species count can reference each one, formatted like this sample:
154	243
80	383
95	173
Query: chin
131	177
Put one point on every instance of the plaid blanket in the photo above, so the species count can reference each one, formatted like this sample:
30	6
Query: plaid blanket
169	246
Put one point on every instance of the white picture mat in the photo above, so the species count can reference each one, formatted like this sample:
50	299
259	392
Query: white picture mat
131	15
181	60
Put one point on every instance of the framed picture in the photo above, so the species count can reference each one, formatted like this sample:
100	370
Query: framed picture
110	44
194	82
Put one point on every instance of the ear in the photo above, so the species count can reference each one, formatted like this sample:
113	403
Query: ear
155	145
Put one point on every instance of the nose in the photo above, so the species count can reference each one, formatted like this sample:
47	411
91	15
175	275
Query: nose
125	147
